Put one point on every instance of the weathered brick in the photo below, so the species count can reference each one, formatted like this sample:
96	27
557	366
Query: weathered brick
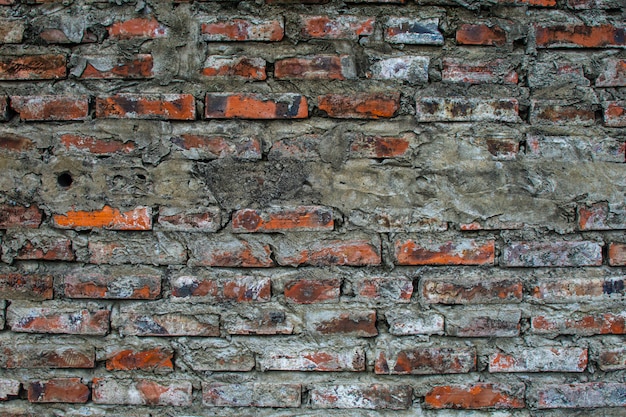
10	143
471	291
390	220
67	320
142	392
33	67
476	396
215	147
311	291
410	68
243	68
24	355
302	148
491	224
339	27
277	219
617	254
114	67
557	73
426	361
551	254
571	148
265	30
613	74
581	324
72	142
9	387
58	390
11	31
133	323
26	286
194	220
19	216
51	108
319	360
215	355
480	34
428	252
395	289
230	252
408	30
260	322
560	113
579	36
408	322
251	395
137	28
593	4
148	106
461	109
133	359
318	67
580	395
374	396
611	358
543	359
497	71
123	284
139	218
4	109
601	216
349	252
483	323
256	106
573	289
359	323
208	289
615	113
360	106
46	248
158	249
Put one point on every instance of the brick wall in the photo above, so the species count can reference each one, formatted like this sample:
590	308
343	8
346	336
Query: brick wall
311	207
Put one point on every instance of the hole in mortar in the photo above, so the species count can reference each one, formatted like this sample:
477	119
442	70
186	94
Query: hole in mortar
65	179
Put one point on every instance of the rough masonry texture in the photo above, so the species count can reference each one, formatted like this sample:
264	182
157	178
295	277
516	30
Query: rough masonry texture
312	207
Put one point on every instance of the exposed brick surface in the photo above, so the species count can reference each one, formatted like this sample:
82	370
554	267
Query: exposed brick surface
251	395
469	252
51	108
137	106
427	361
340	27
141	392
244	30
617	254
156	359
139	218
352	360
579	36
58	390
374	397
477	396
22	318
19	286
255	106
455	109
362	106
19	216
33	67
554	359
47	356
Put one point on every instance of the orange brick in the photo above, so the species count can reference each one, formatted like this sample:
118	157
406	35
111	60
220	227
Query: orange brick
480	34
139	218
137	28
154	106
340	27
137	67
255	106
477	396
297	219
156	359
360	106
310	291
58	390
617	254
353	252
51	108
465	252
235	67
579	36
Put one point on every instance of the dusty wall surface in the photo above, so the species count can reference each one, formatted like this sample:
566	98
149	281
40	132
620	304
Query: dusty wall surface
304	208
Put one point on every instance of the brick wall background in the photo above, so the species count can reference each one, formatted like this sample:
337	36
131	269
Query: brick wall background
312	207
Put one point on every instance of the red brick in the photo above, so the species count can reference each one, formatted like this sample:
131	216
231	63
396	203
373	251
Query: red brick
613	73
543	359
142	28
579	36
139	218
277	219
135	285
551	254
215	147
311	291
260	322
461	109
249	394
581	395
9	387
409	30
19	216
94	145
353	323
320	360
256	106
103	67
353	252
373	397
611	359
560	113
463	252
47	356
33	67
180	220
411	68
480	34
580	324
168	324
427	361
243	68
318	67
594	217
408	322
483	323
58	321
393	289
236	289
573	289
230	253
155	249
264	30
21	286
58	390
380	147
155	359
7	2
476	396
615	113
149	106
360	106
617	254
51	108
142	392
46	249
497	71
340	27
11	31
466	291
